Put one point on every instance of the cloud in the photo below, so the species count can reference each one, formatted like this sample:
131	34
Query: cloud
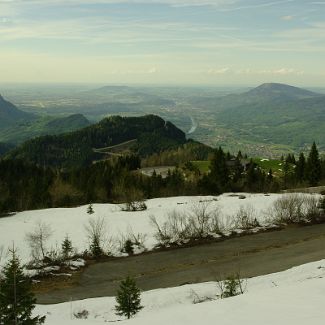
249	71
287	18
224	5
282	72
169	2
152	70
219	71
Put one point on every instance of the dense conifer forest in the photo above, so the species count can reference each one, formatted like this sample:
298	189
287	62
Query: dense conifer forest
25	185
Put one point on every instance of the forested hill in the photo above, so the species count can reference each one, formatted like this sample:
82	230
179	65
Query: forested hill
75	149
10	114
4	148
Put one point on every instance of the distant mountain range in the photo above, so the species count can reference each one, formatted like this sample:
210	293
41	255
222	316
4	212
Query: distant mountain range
268	120
276	91
146	135
17	126
272	117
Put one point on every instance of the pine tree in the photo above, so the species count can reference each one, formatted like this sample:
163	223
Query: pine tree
90	209
313	166
16	298
251	175
300	170
219	169
128	298
66	247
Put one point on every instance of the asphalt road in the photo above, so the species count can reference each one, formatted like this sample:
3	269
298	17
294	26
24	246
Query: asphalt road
252	255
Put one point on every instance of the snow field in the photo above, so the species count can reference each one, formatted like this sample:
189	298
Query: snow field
72	221
295	296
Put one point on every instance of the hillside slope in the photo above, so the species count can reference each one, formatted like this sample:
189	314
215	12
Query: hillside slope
73	149
45	125
266	119
10	114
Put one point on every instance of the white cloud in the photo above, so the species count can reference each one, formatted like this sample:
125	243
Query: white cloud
219	71
170	2
282	72
249	71
152	70
287	18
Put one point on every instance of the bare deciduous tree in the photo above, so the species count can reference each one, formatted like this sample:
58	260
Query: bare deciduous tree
96	231
200	222
295	208
37	240
246	218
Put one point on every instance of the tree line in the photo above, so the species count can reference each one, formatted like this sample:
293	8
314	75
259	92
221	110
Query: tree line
25	186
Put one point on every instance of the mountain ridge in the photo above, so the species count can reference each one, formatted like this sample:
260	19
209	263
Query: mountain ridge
10	114
76	148
278	90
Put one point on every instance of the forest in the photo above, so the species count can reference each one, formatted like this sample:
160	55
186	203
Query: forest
26	186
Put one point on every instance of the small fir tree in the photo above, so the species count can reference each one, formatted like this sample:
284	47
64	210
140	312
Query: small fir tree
128	298
16	298
95	248
66	247
128	247
90	209
233	286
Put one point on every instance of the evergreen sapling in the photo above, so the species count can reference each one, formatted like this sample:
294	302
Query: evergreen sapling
128	298
16	298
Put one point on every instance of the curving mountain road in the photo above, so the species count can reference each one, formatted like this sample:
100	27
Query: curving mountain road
251	255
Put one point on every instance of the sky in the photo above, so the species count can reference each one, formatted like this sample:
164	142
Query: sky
170	42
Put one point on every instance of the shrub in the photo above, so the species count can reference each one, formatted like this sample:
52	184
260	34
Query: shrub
131	240
96	233
199	223
128	247
232	286
83	314
37	240
295	208
246	218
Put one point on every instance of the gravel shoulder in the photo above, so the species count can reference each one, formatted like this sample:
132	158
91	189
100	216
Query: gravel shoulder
251	255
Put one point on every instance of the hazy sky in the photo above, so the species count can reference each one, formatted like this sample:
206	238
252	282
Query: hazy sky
217	42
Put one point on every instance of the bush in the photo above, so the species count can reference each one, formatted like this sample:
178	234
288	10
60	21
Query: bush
127	243
96	233
134	206
232	286
246	218
128	247
37	241
134	200
296	208
180	227
83	314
